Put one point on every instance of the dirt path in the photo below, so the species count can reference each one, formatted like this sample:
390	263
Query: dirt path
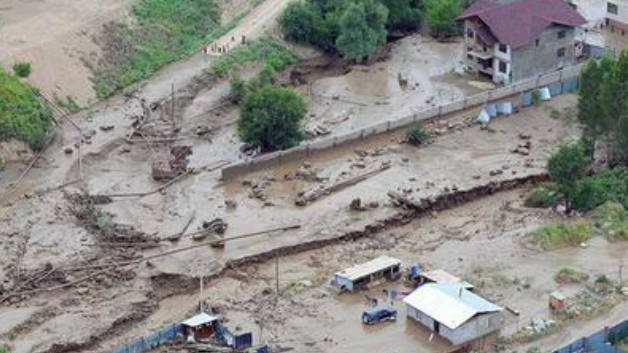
257	23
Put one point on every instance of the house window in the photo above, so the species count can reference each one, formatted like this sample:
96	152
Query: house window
470	33
470	57
612	9
538	42
503	67
562	34
561	53
503	48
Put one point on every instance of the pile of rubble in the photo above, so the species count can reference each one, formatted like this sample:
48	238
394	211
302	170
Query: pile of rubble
173	165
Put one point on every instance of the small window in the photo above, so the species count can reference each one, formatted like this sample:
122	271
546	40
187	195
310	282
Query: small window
562	34
612	9
470	33
538	42
503	48
470	57
503	67
561	53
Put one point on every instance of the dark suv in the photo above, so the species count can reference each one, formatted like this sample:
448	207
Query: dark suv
379	314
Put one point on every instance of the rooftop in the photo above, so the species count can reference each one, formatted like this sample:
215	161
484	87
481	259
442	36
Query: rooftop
359	271
521	22
200	319
449	303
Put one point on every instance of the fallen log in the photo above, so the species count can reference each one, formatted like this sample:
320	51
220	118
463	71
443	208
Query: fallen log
306	197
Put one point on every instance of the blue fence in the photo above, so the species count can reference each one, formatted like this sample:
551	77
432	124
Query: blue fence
603	341
153	340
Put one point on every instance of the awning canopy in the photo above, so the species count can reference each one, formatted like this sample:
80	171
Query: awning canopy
368	268
198	320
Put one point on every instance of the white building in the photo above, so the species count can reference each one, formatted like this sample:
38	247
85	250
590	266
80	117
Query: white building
617	16
453	312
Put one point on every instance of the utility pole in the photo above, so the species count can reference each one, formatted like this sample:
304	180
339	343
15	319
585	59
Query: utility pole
174	125
277	272
200	302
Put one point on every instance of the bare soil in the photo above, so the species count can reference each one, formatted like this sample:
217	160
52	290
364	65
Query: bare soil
83	266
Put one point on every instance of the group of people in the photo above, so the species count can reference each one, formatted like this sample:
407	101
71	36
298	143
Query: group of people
216	48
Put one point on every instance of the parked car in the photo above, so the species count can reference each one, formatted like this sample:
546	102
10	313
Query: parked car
379	314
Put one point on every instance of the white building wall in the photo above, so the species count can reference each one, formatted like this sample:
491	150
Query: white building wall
477	327
622	11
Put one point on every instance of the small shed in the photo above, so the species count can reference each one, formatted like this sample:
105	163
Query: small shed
442	276
557	301
454	313
200	327
359	276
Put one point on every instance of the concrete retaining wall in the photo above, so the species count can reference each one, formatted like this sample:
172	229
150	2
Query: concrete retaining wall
565	80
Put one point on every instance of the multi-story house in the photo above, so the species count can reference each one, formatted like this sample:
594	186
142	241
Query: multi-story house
509	42
617	16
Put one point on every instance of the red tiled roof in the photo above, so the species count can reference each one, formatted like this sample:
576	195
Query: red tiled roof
522	22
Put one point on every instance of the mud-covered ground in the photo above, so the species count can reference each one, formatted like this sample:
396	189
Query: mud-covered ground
480	241
51	230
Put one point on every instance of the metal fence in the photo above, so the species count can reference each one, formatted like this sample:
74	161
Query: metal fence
153	340
603	341
565	80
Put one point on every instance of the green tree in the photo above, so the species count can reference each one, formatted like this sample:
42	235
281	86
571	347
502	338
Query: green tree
403	14
362	29
565	168
301	22
272	118
441	17
590	109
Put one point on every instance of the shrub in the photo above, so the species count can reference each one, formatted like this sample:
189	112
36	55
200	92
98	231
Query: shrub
22	115
22	69
542	197
238	89
612	219
272	118
418	136
607	185
565	168
555	236
266	51
571	275
603	280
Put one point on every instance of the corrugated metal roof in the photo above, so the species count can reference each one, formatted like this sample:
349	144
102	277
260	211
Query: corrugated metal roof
359	271
442	276
200	319
449	303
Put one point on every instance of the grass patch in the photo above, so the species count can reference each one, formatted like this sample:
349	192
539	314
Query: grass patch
542	197
560	235
68	104
159	32
267	51
22	114
418	135
612	219
571	275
